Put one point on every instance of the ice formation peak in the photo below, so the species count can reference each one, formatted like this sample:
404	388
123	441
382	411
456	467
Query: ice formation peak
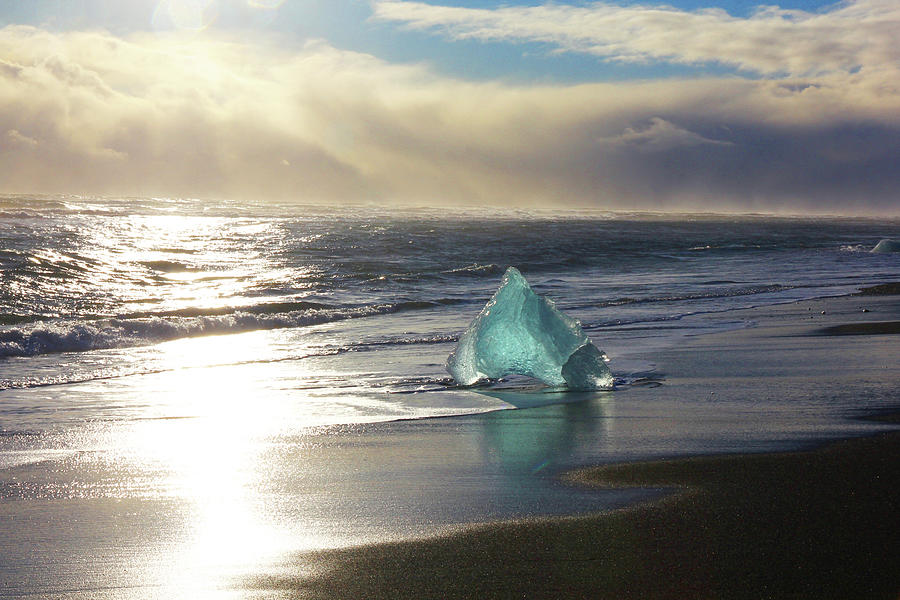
519	332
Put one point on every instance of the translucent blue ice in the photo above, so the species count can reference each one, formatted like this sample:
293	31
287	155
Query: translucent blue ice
519	332
885	246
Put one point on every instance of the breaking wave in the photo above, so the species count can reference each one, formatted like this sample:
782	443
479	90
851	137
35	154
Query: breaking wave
148	328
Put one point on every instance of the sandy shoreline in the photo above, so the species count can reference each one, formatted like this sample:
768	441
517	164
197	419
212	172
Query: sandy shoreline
815	523
385	510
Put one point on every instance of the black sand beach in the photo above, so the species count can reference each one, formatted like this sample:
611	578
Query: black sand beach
814	523
427	508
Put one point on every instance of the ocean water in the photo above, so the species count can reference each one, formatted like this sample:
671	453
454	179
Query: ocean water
191	392
133	308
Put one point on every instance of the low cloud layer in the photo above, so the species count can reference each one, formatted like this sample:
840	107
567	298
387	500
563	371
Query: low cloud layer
215	117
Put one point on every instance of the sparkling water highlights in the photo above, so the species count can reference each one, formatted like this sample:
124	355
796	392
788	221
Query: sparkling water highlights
125	294
189	391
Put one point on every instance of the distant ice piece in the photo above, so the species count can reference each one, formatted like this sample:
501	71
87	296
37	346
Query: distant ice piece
885	246
519	332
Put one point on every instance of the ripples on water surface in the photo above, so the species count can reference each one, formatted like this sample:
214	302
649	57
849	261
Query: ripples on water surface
337	310
188	389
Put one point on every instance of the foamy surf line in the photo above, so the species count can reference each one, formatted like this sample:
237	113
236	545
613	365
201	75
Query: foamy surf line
313	352
80	336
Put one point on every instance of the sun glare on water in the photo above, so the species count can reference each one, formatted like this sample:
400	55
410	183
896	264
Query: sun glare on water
201	422
209	451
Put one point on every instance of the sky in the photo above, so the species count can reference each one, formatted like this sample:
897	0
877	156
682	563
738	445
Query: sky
690	105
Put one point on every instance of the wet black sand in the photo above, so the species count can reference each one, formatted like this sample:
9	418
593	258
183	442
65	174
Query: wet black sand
815	524
820	522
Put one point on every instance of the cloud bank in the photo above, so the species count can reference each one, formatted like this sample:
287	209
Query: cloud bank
207	116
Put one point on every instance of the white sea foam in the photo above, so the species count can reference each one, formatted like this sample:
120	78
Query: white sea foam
79	336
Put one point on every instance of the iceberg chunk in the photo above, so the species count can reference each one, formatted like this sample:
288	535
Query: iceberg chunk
586	369
519	332
886	246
